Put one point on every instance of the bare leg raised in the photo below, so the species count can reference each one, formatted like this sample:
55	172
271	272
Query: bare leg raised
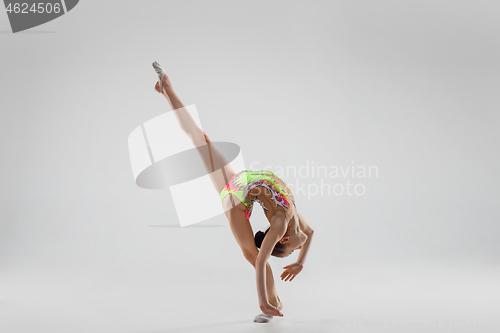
211	157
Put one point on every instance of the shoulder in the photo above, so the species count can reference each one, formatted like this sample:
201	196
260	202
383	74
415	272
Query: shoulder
278	222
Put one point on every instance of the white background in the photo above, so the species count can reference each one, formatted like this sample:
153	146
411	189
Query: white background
410	87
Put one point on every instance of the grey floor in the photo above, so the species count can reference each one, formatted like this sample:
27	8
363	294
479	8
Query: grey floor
428	298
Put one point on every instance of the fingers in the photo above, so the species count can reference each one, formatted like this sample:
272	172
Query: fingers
276	312
271	310
290	273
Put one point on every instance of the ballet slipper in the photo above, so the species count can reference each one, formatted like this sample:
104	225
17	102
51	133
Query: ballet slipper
262	318
161	72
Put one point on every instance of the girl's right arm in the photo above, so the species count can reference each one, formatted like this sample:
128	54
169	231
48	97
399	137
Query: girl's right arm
275	233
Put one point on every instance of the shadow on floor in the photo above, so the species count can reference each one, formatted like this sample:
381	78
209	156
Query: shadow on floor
248	326
215	327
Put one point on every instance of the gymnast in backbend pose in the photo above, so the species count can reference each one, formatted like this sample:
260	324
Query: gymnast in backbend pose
288	230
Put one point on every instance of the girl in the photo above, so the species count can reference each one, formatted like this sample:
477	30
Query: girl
288	230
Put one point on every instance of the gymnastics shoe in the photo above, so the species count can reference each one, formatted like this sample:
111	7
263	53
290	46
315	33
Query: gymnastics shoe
161	72
262	318
159	69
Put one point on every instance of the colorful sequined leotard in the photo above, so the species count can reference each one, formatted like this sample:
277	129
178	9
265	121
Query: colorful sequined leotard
248	187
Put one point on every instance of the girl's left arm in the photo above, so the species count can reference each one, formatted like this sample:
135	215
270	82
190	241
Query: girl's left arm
306	228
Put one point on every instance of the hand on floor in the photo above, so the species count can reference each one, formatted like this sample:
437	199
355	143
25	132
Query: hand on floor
270	310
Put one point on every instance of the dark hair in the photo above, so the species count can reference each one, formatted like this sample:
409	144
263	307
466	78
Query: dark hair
279	249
